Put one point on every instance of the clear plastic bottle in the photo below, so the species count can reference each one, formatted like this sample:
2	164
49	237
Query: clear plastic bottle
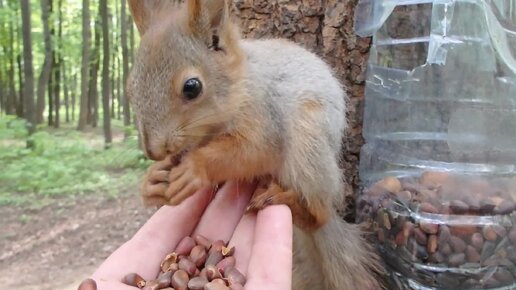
438	168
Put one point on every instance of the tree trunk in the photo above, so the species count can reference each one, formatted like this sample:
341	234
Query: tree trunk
3	70
325	27
74	94
93	115
114	61
66	91
19	97
51	80
132	41
47	63
125	21
119	87
112	80
3	98
57	65
11	96
17	40
85	67
28	88
105	73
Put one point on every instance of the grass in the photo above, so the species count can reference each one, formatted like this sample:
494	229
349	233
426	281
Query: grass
63	162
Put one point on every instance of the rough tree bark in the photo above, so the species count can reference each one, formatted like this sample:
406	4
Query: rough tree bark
325	27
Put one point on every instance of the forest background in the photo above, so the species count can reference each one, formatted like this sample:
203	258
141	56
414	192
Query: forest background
69	156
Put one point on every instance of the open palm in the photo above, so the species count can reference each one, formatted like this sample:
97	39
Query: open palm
263	241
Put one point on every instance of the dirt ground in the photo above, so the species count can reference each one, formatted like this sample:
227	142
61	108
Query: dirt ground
57	246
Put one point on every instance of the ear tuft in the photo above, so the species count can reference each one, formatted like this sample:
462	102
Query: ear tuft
207	15
143	11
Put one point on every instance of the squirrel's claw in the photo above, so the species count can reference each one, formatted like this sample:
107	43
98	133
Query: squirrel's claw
184	182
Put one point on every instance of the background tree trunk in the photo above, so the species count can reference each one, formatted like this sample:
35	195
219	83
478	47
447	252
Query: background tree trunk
66	90
325	27
28	87
7	66
125	22
51	80
11	97
85	68
47	63
18	44
93	115
19	102
105	73
58	55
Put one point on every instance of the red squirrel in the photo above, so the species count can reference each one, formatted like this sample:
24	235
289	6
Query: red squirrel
213	107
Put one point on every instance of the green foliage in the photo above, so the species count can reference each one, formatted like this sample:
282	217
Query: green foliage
63	162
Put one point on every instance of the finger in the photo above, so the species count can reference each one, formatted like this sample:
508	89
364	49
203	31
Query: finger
224	212
165	164
157	238
155	189
270	266
176	173
159	176
182	195
242	240
176	186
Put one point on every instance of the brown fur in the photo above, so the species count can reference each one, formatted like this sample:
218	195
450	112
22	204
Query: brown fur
262	114
306	217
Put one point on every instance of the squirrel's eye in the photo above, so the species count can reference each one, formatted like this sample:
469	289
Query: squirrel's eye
192	89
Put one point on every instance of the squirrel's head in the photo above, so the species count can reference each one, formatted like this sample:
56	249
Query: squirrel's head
184	75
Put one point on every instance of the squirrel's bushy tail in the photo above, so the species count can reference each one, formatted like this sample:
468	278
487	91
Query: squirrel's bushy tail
341	255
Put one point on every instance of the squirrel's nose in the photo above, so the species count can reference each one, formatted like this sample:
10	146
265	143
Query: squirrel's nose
152	153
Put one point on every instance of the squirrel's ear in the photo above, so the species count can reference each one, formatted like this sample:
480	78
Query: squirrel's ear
207	15
143	11
140	11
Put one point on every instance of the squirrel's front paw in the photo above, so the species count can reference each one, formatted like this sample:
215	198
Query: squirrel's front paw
156	183
306	216
185	179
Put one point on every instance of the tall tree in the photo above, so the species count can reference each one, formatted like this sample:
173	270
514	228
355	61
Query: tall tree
66	91
28	88
11	103
3	68
47	63
86	35
74	96
51	80
125	61
56	66
93	97
105	73
19	103
18	39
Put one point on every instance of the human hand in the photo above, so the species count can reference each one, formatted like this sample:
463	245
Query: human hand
263	241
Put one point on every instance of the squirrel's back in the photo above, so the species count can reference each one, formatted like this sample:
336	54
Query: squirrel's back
290	74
